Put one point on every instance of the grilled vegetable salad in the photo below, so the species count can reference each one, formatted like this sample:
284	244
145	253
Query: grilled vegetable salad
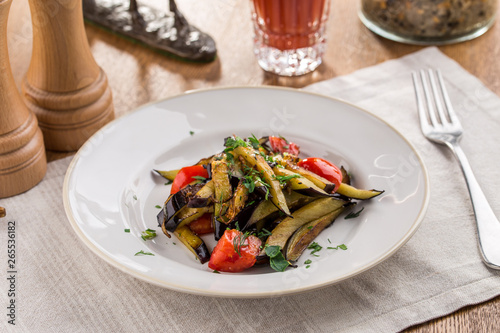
262	203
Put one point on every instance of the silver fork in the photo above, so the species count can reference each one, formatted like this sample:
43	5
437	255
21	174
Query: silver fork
439	123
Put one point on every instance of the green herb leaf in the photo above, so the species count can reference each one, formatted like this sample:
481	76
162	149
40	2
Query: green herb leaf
341	246
315	247
148	234
169	182
284	179
254	142
239	242
127	230
191	132
135	197
263	233
272	251
276	258
216	271
158	206
142	253
352	215
308	261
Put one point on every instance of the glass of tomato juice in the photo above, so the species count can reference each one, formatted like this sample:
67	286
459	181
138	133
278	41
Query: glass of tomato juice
289	35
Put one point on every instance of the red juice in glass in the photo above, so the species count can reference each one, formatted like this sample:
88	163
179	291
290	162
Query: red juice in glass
289	34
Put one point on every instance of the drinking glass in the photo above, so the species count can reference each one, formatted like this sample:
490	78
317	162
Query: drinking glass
289	35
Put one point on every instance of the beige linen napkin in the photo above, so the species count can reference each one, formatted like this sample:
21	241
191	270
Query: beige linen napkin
62	286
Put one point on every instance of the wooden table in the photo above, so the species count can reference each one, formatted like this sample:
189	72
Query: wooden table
137	75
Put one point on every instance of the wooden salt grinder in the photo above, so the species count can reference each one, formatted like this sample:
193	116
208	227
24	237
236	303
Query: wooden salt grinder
22	153
64	86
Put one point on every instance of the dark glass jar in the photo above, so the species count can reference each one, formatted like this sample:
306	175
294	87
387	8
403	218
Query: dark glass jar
428	21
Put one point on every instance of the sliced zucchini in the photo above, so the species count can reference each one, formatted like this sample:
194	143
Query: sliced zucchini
312	211
354	193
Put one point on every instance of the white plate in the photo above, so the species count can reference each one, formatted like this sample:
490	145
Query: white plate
109	186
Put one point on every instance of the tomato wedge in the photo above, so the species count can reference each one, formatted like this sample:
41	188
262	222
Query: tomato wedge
234	252
185	177
323	168
202	225
281	145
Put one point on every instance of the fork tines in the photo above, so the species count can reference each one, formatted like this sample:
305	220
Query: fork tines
437	110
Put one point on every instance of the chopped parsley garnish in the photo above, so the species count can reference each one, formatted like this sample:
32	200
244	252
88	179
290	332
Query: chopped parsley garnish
158	206
310	227
191	132
341	246
169	182
263	233
142	253
315	247
126	230
276	258
233	142
284	179
148	234
254	142
200	179
216	271
352	215
308	261
135	197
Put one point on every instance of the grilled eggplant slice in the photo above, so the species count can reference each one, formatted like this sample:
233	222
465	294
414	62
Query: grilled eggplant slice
238	201
194	243
188	215
308	232
354	193
204	197
317	180
301	184
257	161
223	189
167	174
312	211
175	203
346	177
266	210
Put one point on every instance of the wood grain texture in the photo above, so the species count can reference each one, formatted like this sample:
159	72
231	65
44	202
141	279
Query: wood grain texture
138	75
22	153
64	86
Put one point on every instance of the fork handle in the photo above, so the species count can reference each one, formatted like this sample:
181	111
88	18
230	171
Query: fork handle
488	226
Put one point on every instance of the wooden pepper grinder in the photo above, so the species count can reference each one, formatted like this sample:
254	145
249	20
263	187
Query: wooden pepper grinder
64	86
22	153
